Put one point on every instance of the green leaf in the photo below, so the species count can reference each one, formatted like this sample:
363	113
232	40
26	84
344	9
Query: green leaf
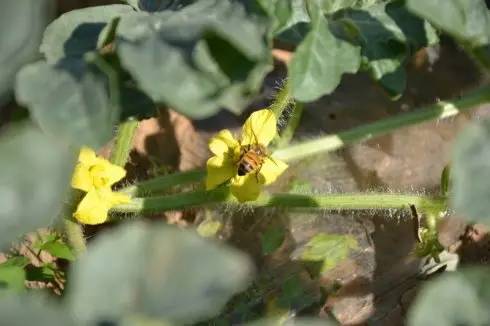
22	310
77	32
58	249
44	273
25	21
320	61
457	298
292	322
471	172
34	175
466	20
69	101
330	249
157	5
388	35
446	180
11	277
272	239
157	271
217	59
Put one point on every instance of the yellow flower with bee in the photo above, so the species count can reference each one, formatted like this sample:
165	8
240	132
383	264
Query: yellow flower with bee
245	163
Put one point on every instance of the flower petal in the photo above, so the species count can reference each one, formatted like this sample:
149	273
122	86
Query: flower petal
260	128
87	156
105	174
223	142
82	178
271	169
245	188
94	207
220	169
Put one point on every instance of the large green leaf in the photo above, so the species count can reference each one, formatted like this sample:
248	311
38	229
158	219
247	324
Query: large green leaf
467	20
320	61
156	271
68	100
77	32
32	310
208	55
388	35
22	23
457	298
470	172
329	249
34	175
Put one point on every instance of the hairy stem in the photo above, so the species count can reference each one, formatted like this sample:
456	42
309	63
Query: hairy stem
124	142
282	100
74	233
439	110
329	202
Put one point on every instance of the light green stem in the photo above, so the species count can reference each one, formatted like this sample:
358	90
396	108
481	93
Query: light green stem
293	123
124	142
282	100
74	233
330	202
439	110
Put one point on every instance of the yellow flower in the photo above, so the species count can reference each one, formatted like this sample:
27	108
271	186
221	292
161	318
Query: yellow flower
95	176
260	128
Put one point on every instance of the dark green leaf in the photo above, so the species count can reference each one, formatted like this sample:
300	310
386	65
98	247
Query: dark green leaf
329	249
69	101
471	172
155	271
320	61
445	180
58	249
43	273
157	5
32	310
206	56
77	32
466	20
23	23
272	239
457	298
34	176
11	277
388	35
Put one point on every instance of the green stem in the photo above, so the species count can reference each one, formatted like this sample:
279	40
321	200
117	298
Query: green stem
162	183
293	123
74	233
439	110
282	100
330	202
124	142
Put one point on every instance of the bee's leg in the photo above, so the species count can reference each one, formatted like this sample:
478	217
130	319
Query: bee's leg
273	161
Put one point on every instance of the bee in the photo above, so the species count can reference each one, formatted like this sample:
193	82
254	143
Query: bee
251	159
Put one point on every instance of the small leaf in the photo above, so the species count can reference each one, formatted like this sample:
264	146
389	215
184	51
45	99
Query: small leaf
272	240
44	273
156	271
77	32
320	61
11	277
58	249
34	175
446	180
330	249
68	101
457	298
471	172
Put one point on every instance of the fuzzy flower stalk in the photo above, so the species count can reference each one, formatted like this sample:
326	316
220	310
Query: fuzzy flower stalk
244	164
95	176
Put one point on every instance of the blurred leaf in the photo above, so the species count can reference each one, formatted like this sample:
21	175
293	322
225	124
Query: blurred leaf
18	261
34	175
272	240
58	249
157	271
471	172
44	273
388	35
330	249
157	5
206	56
456	298
32	310
294	296
466	20
23	23
11	277
320	61
446	180
292	322
68	100
77	32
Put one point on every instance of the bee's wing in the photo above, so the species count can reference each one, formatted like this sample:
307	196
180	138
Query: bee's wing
260	128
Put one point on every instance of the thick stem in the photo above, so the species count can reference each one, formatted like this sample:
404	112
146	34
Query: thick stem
439	110
282	100
124	142
74	233
330	202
